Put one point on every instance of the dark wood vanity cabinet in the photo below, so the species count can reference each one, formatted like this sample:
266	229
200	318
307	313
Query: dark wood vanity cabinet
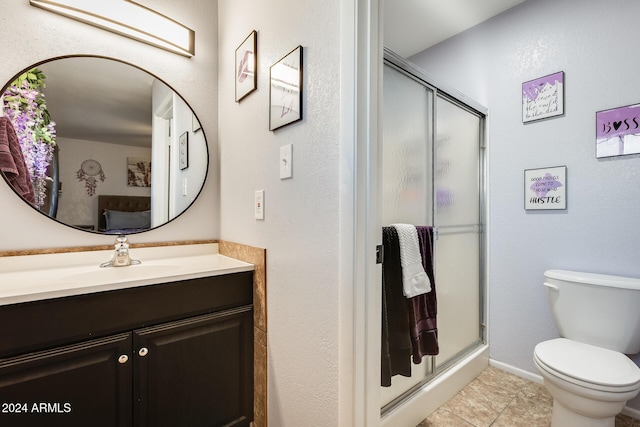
195	373
191	369
77	385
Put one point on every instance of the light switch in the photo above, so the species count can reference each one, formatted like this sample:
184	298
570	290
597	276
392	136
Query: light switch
258	204
286	161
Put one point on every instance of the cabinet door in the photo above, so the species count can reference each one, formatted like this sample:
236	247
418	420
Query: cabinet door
87	384
197	372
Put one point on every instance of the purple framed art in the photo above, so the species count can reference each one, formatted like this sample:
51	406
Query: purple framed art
618	131
545	188
543	97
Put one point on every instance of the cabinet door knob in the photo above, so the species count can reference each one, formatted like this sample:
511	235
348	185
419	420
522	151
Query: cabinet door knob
143	351
123	358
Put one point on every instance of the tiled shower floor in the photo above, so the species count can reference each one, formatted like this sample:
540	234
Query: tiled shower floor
499	399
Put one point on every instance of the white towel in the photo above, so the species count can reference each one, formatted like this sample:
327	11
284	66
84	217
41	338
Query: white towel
414	279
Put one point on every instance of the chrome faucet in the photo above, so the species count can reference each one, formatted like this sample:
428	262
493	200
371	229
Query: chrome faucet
121	256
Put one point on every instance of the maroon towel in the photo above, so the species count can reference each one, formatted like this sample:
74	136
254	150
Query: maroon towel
423	309
409	326
395	357
12	162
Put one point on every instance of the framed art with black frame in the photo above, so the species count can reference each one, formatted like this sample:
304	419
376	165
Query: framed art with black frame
246	75
183	146
285	90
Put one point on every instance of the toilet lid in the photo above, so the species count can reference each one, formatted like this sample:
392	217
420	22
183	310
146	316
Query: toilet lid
588	363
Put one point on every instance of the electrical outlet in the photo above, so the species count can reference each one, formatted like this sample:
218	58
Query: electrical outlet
258	204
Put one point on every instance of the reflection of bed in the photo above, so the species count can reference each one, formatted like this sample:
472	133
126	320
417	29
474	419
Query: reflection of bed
124	214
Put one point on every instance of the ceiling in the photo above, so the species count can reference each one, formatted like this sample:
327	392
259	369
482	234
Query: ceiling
95	99
410	26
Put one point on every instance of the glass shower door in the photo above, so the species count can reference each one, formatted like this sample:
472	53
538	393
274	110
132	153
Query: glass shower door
407	184
457	182
406	150
432	174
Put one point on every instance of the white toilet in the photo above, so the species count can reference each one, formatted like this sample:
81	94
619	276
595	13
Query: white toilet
586	371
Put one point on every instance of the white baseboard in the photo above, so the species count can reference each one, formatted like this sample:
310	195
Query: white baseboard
630	412
516	371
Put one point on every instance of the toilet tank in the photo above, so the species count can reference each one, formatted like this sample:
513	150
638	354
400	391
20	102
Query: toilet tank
596	309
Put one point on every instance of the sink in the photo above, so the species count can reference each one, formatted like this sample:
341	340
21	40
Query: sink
119	274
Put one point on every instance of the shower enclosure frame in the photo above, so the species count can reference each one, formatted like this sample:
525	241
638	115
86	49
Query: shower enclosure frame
442	91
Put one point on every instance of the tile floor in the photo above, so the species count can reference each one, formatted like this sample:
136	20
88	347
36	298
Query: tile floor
499	399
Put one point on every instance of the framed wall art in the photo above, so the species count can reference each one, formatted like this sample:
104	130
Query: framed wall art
618	131
246	76
285	91
183	147
195	123
543	97
545	188
138	172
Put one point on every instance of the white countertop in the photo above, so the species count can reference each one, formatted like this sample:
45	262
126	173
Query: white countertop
36	277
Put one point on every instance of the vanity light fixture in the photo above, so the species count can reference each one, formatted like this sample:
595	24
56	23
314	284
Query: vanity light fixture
127	18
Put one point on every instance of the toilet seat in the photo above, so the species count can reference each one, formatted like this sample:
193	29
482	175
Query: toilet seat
588	366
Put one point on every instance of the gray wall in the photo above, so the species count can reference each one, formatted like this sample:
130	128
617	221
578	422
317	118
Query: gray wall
593	42
301	215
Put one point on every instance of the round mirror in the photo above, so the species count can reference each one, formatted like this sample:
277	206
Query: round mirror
107	146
